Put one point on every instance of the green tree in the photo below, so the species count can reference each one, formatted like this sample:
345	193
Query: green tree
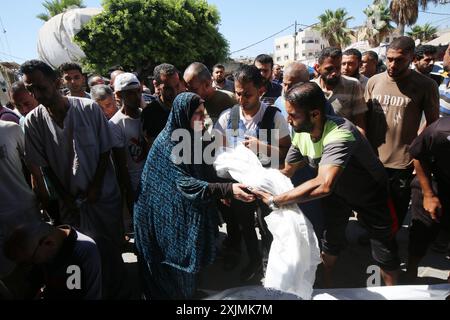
140	34
378	22
425	33
333	27
405	12
55	7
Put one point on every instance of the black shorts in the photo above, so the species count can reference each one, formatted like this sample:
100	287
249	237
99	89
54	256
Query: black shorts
377	218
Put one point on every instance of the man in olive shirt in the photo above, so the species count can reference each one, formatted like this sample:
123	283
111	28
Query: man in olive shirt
396	100
198	80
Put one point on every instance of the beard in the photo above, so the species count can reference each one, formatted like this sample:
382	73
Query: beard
307	127
427	69
169	95
220	80
331	81
394	73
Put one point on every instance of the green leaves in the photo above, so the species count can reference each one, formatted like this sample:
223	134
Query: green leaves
378	22
55	7
425	33
333	27
140	34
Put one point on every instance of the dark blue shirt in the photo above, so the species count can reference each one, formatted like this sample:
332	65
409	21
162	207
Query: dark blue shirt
273	91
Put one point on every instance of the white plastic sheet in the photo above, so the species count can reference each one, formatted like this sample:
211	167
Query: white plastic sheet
55	41
294	254
421	292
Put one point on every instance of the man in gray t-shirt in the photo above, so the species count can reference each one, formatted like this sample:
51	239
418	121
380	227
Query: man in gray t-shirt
344	94
70	138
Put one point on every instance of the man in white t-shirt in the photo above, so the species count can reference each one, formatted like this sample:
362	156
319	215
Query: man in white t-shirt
126	125
264	130
248	88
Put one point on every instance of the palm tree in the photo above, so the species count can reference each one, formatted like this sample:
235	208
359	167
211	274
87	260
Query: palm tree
378	22
425	33
404	12
55	7
333	27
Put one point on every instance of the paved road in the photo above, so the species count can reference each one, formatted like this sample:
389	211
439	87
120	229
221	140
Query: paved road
350	269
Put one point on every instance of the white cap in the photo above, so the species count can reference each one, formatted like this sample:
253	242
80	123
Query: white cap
126	81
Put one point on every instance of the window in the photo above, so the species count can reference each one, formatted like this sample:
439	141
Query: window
303	41
286	45
286	57
278	59
278	47
316	41
387	39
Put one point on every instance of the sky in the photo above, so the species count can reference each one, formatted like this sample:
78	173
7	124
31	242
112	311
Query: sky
243	22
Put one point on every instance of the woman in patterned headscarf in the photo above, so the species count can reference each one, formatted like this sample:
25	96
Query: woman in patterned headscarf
175	218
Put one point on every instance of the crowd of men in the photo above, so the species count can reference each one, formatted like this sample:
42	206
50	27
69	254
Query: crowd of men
355	138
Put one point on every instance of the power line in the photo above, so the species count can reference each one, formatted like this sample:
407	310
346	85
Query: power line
437	13
439	20
4	33
8	55
271	36
443	22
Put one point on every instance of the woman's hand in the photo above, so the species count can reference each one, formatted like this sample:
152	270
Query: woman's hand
262	195
240	192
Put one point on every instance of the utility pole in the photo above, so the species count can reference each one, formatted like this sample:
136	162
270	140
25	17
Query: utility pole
295	41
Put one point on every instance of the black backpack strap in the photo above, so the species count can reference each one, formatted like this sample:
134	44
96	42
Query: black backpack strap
268	122
233	121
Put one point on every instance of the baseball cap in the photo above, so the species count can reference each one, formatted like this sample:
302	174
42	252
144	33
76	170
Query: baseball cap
126	81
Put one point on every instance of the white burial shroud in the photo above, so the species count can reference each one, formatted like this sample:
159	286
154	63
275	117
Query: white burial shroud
294	254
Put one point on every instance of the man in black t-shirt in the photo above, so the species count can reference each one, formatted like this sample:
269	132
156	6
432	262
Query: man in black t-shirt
264	63
430	190
155	115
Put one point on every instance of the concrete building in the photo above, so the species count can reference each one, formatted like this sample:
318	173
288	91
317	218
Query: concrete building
308	45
